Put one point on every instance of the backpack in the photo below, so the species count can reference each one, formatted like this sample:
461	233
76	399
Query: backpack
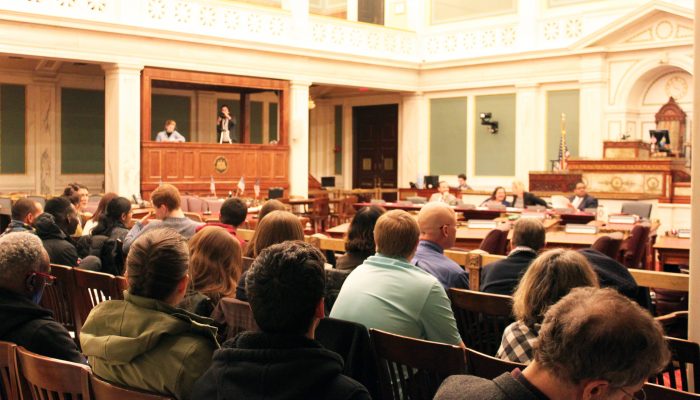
112	256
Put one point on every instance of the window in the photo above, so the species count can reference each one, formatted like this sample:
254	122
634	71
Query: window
12	129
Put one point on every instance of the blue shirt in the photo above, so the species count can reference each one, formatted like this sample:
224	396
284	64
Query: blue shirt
431	258
174	137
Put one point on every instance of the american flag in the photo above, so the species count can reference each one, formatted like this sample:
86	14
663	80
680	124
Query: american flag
563	150
256	188
212	185
241	185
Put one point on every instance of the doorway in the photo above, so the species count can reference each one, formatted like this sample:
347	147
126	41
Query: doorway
375	146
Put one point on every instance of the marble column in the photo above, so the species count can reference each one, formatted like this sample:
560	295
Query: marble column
592	102
414	138
694	301
299	139
123	128
530	152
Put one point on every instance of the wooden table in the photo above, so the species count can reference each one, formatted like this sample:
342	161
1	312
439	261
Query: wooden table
300	203
561	239
672	250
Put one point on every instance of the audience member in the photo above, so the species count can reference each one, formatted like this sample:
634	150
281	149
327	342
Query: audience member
101	207
523	199
143	341
581	200
103	249
215	265
232	214
387	292
23	214
550	277
169	134
497	199
24	272
54	227
443	195
166	200
286	285
359	243
270	206
614	275
583	353
438	231
79	196
276	227
462	182
501	277
74	200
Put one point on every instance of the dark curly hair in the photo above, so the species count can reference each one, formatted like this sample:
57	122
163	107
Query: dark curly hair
360	237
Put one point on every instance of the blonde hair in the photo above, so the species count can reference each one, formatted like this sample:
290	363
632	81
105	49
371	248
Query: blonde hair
396	234
549	278
519	185
276	227
216	262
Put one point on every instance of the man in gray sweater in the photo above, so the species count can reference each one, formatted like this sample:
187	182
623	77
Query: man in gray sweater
583	352
166	201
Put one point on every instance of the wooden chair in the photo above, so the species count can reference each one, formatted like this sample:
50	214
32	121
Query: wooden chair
59	297
103	390
655	392
8	372
196	217
487	367
91	289
675	324
320	214
475	263
43	378
684	353
412	368
481	318
234	316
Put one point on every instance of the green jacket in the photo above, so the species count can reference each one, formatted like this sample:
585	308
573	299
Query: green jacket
146	344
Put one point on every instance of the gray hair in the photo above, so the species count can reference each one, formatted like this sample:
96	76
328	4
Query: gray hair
20	253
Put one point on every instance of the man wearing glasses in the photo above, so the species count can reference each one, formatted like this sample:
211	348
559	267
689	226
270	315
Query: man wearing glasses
24	273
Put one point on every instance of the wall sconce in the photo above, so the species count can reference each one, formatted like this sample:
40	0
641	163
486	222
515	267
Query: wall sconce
486	120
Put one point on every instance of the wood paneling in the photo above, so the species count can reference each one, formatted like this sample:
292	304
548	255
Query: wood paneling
190	166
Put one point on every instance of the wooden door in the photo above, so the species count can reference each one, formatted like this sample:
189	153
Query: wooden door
371	11
375	148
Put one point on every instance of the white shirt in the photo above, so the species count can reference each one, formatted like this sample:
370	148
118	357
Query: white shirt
577	201
174	137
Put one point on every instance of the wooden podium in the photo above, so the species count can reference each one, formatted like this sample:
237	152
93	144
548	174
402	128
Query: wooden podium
556	181
631	149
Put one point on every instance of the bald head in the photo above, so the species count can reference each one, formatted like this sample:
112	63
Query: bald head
438	223
20	254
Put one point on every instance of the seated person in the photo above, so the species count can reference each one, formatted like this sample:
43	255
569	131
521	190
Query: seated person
286	285
54	227
612	274
581	200
170	134
105	243
497	199
523	199
462	182
359	243
443	195
569	362
270	206
387	292
438	231
79	196
232	215
23	214
502	277
24	272
276	227
216	265
101	207
143	341
166	200
549	278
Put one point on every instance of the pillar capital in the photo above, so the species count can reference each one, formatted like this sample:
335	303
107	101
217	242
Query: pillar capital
124	68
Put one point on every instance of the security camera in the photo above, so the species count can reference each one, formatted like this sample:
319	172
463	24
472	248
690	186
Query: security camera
486	121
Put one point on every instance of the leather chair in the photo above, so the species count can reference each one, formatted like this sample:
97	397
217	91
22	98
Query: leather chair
635	247
643	210
495	242
608	245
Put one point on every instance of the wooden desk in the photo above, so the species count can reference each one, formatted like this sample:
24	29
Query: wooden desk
561	239
672	250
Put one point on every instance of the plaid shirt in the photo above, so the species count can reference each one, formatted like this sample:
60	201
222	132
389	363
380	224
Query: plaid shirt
517	342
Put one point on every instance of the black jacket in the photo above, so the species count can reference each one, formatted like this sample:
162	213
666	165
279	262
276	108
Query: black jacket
28	325
613	274
59	246
588	202
258	365
504	387
529	200
501	277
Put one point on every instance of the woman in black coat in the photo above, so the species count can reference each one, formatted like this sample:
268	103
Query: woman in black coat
528	199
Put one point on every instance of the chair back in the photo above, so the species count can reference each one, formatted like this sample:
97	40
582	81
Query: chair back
495	242
675	324
636	245
42	378
91	289
334	282
196	204
481	318
185	203
487	367
642	210
608	245
39	199
235	316
196	217
8	373
103	390
412	368
683	353
654	392
58	297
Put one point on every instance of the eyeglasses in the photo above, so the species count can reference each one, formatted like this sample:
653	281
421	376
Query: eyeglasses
48	278
639	395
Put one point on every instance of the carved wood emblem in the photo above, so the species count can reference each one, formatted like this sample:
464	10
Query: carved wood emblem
221	164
